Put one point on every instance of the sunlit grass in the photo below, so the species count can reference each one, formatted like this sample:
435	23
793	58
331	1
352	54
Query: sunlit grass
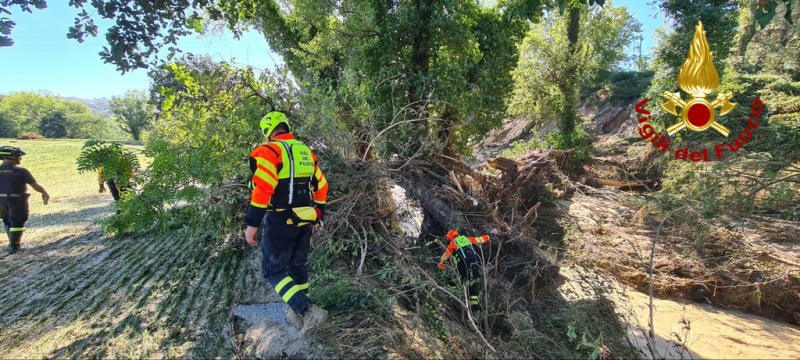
75	293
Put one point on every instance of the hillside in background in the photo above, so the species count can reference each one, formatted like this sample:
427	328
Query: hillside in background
98	106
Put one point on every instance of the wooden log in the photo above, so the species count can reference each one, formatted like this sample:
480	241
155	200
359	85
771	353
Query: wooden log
440	211
507	166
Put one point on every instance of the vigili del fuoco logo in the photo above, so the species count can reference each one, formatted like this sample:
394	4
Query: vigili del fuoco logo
698	78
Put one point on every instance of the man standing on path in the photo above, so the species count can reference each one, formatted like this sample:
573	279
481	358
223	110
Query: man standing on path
291	191
14	196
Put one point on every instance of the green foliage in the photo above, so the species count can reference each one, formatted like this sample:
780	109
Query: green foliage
22	112
545	61
767	10
6	25
719	20
54	125
624	86
456	58
440	66
51	116
133	112
566	332
206	127
577	141
117	163
338	291
772	50
92	126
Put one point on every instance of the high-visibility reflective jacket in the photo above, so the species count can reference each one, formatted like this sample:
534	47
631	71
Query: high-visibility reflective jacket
462	242
286	174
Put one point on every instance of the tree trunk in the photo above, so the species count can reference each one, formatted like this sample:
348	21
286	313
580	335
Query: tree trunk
569	108
420	59
445	132
748	29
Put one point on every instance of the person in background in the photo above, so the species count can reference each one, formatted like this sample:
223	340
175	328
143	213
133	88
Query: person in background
14	181
115	189
466	262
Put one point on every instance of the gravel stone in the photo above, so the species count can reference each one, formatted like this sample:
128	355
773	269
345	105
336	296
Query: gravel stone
273	312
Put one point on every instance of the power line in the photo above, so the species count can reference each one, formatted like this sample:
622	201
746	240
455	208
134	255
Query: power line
95	50
180	43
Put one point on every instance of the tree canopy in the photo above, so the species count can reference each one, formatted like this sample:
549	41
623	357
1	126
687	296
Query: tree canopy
30	113
133	112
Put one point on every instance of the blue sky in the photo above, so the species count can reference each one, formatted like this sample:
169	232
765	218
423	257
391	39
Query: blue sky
42	58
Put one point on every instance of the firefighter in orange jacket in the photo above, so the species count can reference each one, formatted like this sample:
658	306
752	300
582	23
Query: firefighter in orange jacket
290	189
467	262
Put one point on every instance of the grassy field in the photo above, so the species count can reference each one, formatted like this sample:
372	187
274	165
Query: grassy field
75	293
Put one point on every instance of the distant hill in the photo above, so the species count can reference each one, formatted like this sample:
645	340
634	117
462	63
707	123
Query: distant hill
98	106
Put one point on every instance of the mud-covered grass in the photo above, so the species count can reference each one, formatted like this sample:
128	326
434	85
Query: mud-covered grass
75	293
748	266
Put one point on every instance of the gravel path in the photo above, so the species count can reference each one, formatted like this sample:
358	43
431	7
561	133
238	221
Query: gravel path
274	312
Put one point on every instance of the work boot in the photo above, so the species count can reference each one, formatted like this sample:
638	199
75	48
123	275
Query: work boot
294	319
313	316
14	239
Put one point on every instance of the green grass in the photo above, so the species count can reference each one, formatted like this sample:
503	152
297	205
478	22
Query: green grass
75	293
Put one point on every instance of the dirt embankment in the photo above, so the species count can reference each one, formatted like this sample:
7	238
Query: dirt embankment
709	267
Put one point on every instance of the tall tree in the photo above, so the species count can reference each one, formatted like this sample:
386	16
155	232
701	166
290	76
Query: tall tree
555	66
719	18
133	112
569	107
54	125
443	64
23	111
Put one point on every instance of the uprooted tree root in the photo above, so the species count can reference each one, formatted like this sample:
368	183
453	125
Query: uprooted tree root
387	294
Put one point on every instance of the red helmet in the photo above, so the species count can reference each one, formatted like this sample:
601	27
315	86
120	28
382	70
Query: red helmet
451	235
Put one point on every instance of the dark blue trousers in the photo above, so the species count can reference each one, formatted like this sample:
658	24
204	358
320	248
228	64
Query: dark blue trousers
284	254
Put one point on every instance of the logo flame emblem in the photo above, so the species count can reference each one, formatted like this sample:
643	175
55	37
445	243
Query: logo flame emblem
698	77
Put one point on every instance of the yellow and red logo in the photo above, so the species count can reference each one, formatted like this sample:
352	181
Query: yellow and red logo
698	77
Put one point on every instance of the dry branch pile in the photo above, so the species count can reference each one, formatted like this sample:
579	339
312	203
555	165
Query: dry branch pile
502	197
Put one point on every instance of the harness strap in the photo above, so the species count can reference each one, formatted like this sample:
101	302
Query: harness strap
288	149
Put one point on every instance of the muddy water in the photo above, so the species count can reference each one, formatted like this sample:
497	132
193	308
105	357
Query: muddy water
706	331
713	333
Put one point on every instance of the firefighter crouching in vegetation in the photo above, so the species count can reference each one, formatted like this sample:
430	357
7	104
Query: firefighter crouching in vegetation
13	196
467	262
288	186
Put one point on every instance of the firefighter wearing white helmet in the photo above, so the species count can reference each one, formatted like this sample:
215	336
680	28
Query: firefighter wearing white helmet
14	181
290	189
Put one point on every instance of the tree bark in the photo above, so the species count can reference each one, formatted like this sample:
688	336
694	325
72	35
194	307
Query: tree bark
567	85
748	29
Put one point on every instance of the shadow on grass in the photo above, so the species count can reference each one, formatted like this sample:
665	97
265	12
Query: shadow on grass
92	346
